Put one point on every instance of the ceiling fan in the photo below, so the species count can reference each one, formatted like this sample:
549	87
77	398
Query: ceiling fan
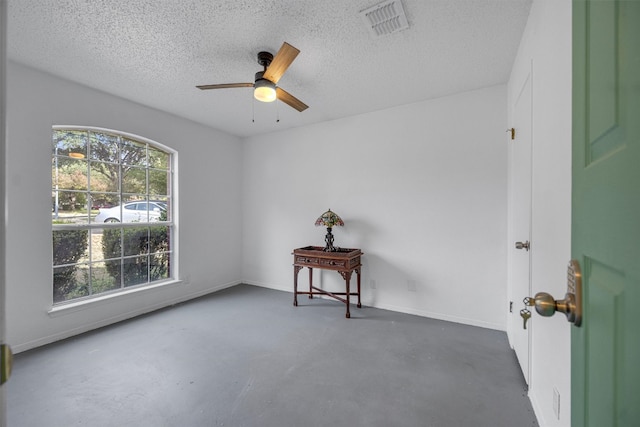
265	88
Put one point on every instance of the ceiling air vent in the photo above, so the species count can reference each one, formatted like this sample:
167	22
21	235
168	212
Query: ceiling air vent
386	18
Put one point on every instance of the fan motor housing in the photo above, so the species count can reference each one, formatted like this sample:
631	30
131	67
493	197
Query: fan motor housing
264	59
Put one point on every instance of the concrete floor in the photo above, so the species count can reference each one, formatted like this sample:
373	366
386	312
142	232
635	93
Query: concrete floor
246	357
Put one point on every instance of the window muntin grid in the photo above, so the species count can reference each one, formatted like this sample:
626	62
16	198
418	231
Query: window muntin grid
95	171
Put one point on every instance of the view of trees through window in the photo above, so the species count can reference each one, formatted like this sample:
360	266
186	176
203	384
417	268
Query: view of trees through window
111	212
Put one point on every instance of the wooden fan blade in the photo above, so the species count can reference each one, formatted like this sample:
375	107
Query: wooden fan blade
281	62
290	100
224	86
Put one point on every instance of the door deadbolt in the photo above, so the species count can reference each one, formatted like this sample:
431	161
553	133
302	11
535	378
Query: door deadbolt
523	245
571	305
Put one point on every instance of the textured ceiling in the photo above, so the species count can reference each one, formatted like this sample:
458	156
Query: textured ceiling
155	52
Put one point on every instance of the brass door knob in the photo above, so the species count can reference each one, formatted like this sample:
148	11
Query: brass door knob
547	306
571	305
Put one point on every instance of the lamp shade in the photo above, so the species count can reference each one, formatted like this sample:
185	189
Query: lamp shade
329	219
264	90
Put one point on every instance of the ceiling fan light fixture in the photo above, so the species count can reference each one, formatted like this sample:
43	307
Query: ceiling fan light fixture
264	90
264	85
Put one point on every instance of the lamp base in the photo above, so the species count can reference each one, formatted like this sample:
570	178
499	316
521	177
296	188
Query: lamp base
328	239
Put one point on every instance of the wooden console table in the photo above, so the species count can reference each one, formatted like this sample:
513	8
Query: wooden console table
344	261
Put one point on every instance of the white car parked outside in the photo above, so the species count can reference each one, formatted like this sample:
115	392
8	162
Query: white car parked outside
132	212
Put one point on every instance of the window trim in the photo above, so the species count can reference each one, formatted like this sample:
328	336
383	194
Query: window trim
82	302
73	306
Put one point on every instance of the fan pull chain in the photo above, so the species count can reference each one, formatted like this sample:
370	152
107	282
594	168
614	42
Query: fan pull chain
277	111
253	110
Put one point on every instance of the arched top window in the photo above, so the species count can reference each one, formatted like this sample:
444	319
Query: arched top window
112	218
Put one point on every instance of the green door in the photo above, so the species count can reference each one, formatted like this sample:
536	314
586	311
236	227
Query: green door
605	361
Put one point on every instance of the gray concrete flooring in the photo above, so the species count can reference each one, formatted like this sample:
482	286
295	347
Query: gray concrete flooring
245	357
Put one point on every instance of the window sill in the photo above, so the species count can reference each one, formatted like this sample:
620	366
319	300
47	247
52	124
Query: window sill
73	307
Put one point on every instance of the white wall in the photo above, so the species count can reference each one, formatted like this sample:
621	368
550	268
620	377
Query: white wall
422	191
210	174
547	43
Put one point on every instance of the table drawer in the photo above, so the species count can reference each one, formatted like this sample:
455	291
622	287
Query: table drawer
307	260
333	263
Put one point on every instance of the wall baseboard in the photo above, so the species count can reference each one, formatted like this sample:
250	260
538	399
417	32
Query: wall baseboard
18	348
400	309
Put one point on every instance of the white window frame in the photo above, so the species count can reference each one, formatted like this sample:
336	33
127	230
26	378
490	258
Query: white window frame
172	223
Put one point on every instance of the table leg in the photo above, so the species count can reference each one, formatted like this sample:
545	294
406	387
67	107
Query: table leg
347	278
296	269
358	273
310	282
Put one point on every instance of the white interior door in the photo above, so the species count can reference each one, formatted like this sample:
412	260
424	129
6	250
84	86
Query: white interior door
520	220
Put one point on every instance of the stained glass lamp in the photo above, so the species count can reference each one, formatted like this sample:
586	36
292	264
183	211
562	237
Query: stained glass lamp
329	219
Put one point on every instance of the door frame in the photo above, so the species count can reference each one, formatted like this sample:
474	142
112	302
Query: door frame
3	115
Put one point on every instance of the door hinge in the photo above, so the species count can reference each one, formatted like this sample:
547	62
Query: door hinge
510	306
6	362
